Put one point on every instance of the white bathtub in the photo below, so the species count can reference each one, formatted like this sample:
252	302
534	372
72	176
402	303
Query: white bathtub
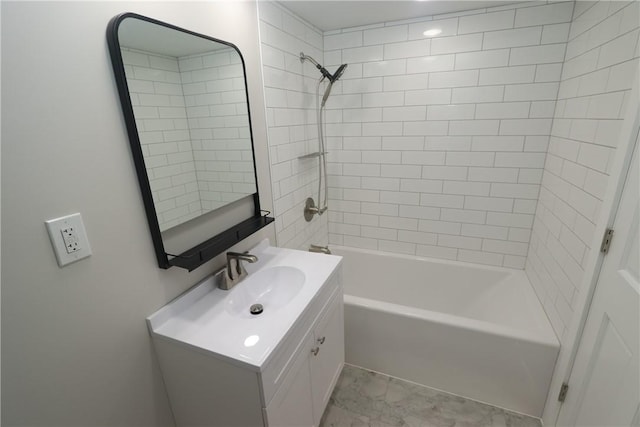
475	331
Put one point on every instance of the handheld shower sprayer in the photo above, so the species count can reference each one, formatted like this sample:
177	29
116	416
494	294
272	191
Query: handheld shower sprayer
335	77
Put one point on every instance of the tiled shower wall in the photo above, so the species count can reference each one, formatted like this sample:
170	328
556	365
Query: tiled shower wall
290	95
601	61
437	144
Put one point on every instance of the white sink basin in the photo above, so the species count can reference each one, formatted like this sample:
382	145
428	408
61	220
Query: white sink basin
219	322
272	287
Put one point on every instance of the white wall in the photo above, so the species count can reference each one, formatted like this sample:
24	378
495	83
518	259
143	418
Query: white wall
290	94
75	349
437	144
601	61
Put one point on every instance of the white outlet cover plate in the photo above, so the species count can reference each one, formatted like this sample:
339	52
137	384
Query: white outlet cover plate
55	227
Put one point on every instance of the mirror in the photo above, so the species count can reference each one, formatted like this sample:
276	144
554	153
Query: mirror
190	106
184	97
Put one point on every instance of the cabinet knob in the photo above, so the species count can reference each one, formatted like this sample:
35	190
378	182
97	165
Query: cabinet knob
315	351
321	340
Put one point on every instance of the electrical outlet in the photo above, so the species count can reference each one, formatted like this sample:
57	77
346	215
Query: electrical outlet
68	238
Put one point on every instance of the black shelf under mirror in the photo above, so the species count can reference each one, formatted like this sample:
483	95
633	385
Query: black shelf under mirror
195	257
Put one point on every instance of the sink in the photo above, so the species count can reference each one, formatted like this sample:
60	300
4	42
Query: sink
219	322
273	288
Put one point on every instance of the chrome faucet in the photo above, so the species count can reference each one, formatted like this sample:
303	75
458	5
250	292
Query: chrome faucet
235	271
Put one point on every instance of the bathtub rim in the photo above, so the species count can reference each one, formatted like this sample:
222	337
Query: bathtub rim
544	336
431	259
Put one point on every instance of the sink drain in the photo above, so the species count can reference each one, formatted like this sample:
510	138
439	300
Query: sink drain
256	309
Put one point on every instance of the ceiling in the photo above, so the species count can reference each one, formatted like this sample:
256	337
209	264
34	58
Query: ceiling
332	15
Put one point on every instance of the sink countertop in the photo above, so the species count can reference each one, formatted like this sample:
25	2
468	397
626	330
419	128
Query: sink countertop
199	318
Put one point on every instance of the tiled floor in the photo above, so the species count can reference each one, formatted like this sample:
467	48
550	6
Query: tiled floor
365	398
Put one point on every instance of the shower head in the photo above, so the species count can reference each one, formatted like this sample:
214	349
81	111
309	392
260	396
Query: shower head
325	74
338	72
332	80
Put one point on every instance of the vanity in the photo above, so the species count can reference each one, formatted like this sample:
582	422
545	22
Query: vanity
264	349
224	365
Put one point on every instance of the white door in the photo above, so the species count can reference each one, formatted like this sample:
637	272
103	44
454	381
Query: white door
605	381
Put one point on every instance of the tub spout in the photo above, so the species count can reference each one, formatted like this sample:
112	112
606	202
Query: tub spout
321	249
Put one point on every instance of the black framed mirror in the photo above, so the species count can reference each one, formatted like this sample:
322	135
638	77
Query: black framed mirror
186	107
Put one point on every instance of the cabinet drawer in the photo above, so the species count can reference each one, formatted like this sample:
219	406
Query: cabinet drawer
276	369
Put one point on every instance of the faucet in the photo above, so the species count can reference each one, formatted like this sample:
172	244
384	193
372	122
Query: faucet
234	272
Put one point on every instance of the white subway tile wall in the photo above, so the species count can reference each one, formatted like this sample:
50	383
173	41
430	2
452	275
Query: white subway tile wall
161	117
490	142
437	144
290	96
598	73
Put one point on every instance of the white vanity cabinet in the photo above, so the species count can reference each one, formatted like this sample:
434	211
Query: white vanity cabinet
303	395
268	371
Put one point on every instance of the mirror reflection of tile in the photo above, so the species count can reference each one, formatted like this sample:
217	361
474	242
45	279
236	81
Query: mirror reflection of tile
192	119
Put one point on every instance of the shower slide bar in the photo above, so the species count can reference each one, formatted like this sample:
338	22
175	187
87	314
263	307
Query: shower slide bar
313	155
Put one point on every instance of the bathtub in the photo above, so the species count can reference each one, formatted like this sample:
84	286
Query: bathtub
475	331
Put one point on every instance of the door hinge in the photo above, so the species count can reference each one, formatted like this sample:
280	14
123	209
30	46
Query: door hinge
606	240
563	392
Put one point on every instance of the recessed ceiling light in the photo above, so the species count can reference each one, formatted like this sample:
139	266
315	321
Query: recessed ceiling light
432	32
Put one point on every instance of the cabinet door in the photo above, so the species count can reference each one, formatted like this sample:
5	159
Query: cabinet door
291	404
327	357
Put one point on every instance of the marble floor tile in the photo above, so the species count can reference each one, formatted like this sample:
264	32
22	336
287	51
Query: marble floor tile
365	398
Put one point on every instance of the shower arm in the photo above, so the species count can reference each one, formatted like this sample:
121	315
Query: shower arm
304	57
325	74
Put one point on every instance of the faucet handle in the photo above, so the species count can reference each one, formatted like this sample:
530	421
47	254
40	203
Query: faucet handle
230	277
244	256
